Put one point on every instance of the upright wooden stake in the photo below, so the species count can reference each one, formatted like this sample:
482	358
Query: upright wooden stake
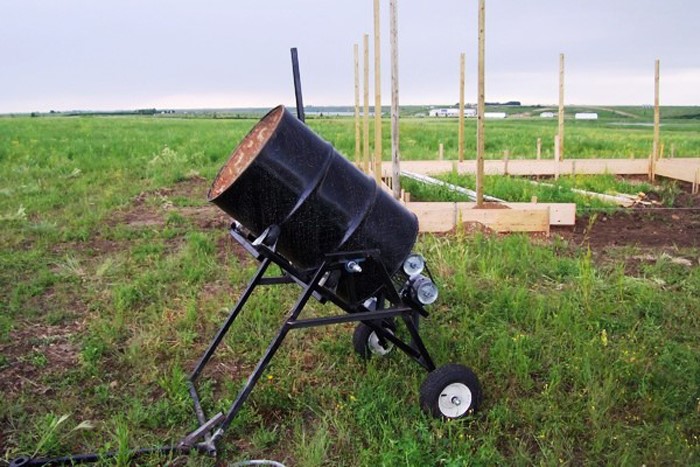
556	156
539	148
377	98
365	120
480	107
561	106
441	152
657	113
395	153
358	138
461	107
506	156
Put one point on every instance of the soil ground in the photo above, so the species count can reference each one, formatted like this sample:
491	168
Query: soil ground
677	226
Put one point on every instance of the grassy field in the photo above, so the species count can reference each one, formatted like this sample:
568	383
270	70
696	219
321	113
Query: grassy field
115	274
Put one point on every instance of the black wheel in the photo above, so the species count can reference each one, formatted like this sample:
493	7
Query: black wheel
451	391
366	342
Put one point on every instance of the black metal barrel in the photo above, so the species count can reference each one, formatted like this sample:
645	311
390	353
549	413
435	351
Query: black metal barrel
283	174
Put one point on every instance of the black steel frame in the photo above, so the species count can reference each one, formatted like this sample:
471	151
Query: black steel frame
312	283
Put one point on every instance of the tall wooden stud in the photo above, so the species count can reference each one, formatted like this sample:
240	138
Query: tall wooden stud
441	152
557	142
461	107
480	107
539	148
365	119
561	106
358	137
395	153
377	98
657	112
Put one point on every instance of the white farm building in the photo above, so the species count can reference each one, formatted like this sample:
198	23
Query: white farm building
586	116
452	113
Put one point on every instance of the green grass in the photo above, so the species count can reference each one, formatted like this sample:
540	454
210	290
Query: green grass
606	138
520	189
583	360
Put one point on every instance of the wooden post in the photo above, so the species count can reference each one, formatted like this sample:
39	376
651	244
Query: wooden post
461	107
377	97
365	120
395	153
556	156
358	138
657	113
480	107
441	152
561	106
539	148
661	151
697	181
506	156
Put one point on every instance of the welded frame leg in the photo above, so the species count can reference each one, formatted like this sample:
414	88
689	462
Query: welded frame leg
304	297
417	343
208	444
231	318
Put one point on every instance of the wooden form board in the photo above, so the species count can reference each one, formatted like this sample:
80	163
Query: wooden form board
559	213
444	217
538	167
679	169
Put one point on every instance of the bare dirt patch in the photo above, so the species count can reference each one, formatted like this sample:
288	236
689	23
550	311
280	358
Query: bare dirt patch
35	351
152	208
655	226
640	227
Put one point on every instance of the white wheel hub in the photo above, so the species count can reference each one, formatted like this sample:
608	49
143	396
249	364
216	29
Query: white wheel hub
376	347
455	400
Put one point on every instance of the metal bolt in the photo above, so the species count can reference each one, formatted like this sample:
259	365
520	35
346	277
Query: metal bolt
352	266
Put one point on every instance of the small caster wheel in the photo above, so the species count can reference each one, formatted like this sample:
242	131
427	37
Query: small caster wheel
451	391
366	342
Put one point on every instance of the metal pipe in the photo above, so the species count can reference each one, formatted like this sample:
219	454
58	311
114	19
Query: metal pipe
297	85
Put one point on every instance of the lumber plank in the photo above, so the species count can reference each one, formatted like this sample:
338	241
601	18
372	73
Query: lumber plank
536	167
444	216
679	169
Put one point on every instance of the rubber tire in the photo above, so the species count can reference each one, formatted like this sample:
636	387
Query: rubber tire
442	377
360	341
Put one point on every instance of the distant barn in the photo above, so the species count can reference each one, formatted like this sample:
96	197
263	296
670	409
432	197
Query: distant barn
495	115
444	113
547	115
586	116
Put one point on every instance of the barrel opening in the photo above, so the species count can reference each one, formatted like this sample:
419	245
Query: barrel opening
246	152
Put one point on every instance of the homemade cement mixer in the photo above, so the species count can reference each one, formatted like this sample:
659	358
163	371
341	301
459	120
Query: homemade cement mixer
340	238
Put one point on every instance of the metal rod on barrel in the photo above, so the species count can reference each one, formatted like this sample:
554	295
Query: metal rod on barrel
297	85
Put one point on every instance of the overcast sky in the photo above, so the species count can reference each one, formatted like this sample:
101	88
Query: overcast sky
125	54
